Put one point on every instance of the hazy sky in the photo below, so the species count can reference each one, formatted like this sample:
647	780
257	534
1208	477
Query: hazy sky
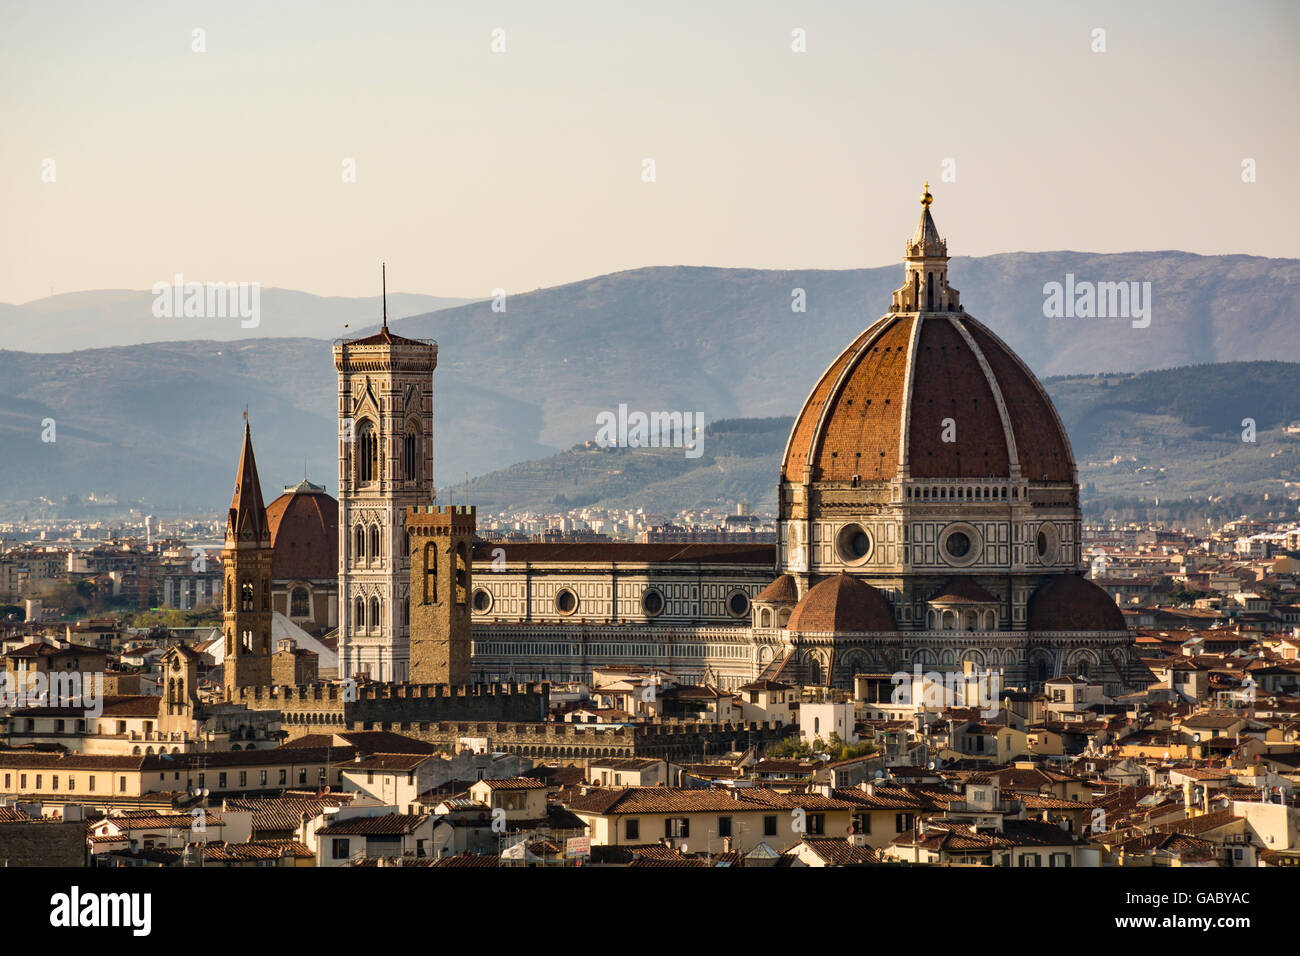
477	170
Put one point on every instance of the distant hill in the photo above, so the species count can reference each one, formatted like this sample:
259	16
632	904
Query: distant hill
114	317
162	421
738	462
1172	435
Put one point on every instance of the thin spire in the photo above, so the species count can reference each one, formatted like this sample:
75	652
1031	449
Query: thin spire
247	510
383	272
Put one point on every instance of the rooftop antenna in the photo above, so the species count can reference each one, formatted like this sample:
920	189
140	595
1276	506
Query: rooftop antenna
383	273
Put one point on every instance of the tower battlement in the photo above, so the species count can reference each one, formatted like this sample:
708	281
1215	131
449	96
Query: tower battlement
330	708
424	520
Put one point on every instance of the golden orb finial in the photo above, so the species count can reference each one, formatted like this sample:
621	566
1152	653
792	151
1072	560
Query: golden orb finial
926	199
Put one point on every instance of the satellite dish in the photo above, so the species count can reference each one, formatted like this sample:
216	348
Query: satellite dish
1196	738
879	774
931	764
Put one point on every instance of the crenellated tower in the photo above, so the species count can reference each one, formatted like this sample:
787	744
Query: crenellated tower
442	543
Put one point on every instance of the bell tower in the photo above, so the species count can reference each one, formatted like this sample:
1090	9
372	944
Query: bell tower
385	415
246	568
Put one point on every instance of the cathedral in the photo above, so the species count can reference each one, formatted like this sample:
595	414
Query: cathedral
928	517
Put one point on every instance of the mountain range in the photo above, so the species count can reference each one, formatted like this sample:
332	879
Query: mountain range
523	379
114	317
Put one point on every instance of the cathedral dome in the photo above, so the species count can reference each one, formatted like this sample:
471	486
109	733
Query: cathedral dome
927	392
842	604
1072	603
304	533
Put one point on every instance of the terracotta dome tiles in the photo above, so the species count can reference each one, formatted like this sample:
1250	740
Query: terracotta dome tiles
842	604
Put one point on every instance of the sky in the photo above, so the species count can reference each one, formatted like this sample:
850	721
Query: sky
478	170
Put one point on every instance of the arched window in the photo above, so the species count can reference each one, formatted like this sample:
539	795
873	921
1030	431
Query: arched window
410	463
406	611
367	451
929	292
359	614
374	613
374	542
299	603
246	596
430	573
230	592
359	551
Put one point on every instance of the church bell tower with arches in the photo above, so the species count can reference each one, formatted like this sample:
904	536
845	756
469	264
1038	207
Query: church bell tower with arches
246	565
385	444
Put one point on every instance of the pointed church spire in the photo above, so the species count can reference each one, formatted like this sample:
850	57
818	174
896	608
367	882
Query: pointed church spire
926	241
247	520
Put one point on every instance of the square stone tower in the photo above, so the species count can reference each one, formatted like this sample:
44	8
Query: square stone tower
442	543
385	467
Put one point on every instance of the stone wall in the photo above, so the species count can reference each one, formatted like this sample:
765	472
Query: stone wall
323	708
684	741
43	844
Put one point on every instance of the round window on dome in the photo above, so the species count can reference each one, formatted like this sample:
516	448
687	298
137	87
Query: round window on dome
566	602
482	600
1047	544
960	545
652	602
738	604
853	544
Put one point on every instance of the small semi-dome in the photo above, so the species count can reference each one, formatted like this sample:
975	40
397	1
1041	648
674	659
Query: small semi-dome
783	590
1069	602
304	533
842	604
962	591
